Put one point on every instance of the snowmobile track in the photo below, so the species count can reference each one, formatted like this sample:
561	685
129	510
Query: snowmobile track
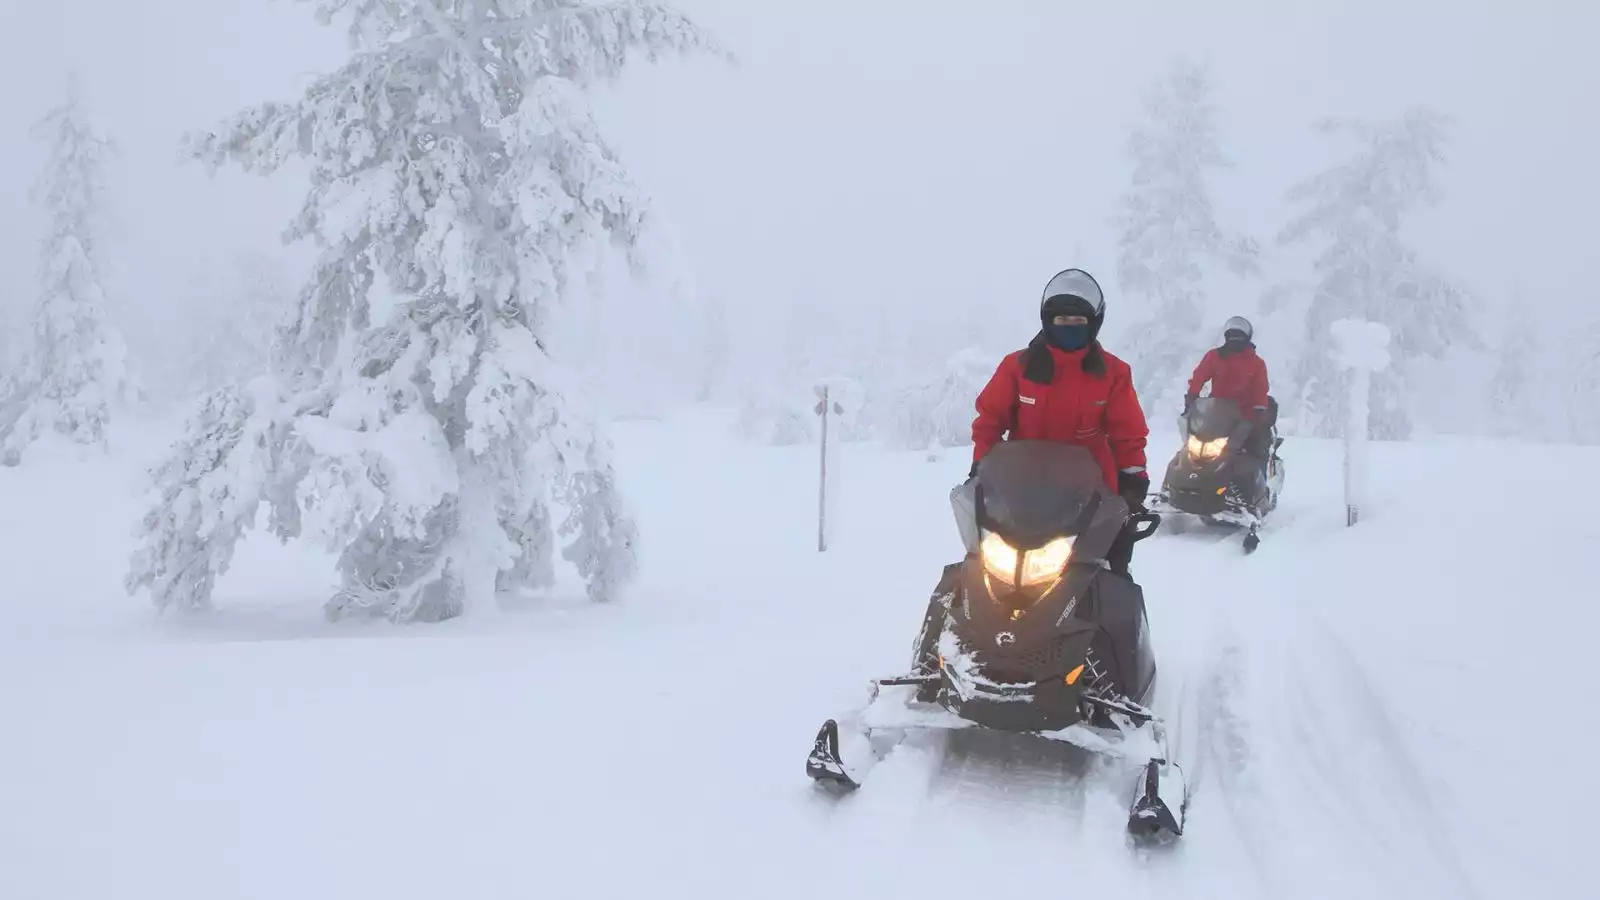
1029	777
1410	779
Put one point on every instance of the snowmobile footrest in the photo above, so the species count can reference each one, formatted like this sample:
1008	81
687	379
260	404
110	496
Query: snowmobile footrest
1132	710
918	680
824	765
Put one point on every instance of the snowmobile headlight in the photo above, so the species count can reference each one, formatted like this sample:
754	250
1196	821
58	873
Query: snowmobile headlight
1036	566
1199	449
999	557
1046	563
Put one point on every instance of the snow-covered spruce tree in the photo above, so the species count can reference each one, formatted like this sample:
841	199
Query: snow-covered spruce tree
1365	269
1514	408
777	398
1584	406
455	162
716	349
73	375
1170	231
937	412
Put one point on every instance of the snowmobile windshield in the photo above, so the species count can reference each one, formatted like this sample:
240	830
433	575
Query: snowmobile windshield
1214	417
1034	491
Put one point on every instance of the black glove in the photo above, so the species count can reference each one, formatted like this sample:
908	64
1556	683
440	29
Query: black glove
1133	486
973	472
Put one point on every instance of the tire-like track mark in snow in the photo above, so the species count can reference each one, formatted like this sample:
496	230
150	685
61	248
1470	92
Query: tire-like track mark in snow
1406	780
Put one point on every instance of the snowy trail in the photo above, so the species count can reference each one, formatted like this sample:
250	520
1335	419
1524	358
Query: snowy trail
264	753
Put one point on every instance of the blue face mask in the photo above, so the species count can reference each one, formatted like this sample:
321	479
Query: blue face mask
1069	337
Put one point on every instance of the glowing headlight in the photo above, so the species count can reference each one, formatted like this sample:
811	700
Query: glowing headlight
1041	565
999	557
1045	563
1206	450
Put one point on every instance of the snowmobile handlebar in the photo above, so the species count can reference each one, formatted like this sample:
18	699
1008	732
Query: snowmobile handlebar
1139	519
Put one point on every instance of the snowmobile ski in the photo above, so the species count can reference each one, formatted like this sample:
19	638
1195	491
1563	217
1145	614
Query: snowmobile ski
824	764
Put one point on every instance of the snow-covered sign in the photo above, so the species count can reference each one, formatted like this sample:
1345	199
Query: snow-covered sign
1361	345
1363	348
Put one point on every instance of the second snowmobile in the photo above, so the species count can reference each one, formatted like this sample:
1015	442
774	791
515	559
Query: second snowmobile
1215	477
1030	633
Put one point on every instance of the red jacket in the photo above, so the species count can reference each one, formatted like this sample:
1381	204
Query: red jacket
1100	412
1240	377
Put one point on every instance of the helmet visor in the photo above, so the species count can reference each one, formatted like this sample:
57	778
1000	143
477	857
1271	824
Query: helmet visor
1076	283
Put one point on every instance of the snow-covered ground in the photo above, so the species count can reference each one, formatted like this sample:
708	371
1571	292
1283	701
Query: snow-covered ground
1395	710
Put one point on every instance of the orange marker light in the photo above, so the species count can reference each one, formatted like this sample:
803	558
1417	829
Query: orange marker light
1072	677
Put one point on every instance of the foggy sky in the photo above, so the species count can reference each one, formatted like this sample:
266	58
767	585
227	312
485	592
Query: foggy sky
923	155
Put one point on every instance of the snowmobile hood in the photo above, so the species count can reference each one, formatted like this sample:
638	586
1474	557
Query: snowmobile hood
1035	491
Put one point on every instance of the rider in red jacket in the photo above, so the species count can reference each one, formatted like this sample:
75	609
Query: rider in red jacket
1065	387
1235	371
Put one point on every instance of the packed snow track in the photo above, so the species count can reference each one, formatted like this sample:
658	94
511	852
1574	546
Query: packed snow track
1346	703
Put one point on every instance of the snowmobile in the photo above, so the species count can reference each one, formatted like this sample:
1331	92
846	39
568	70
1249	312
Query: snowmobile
1215	478
1031	634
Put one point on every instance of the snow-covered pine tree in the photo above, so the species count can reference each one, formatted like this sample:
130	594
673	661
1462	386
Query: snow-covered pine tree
1584	405
1170	231
1367	271
455	160
1514	408
937	412
716	349
73	376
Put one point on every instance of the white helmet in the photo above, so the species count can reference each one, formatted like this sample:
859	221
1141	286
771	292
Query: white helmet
1076	283
1239	324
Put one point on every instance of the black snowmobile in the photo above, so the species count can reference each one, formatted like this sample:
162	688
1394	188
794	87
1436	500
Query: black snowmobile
1216	477
1031	633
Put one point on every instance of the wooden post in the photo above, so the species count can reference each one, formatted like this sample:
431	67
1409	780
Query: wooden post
822	488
